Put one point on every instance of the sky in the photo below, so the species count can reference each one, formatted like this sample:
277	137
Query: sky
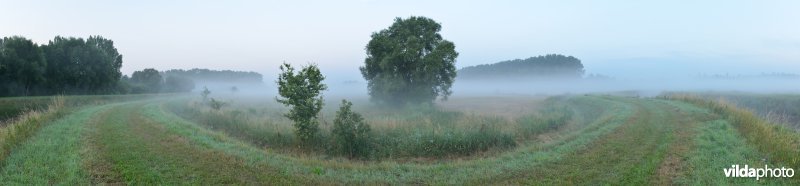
623	39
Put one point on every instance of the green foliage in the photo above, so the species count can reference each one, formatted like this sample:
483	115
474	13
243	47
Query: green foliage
146	81
78	66
550	66
63	66
409	62
301	91
22	67
351	134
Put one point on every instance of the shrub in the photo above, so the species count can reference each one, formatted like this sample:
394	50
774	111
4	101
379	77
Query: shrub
215	104
351	134
205	93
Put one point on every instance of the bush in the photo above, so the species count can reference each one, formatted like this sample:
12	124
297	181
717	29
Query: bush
350	133
216	105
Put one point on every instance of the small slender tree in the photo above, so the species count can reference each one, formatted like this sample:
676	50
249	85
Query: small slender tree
301	91
205	93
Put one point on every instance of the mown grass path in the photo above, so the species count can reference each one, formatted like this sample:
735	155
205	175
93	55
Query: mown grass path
631	154
53	155
635	141
133	148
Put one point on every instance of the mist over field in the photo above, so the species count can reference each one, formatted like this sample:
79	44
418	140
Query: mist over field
378	92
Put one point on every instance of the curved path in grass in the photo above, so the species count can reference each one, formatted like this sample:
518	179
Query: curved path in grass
634	141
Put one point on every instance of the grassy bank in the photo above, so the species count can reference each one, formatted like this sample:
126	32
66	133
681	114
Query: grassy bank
24	126
779	145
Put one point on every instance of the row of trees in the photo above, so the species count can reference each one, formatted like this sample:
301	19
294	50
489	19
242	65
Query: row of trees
70	65
63	66
206	75
152	81
179	80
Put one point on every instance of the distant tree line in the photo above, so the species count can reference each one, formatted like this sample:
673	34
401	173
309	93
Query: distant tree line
206	75
179	80
63	66
152	81
70	65
551	65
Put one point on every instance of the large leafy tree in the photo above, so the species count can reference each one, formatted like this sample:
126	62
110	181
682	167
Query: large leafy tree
301	90
21	66
409	62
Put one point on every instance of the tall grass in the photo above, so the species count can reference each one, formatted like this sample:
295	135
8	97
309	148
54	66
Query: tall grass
24	126
780	144
418	132
548	119
776	108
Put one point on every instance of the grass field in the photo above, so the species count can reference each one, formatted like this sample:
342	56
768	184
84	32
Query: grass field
561	140
776	108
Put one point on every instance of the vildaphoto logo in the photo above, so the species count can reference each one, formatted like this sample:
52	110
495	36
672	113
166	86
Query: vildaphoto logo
752	172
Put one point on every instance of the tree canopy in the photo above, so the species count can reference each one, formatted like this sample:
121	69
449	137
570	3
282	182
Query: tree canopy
146	81
409	62
71	65
206	75
63	66
78	66
551	65
21	67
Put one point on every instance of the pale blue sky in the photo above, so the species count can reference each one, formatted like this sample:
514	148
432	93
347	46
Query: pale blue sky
618	38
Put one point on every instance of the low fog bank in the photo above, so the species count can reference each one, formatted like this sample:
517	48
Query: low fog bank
336	89
645	87
529	87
